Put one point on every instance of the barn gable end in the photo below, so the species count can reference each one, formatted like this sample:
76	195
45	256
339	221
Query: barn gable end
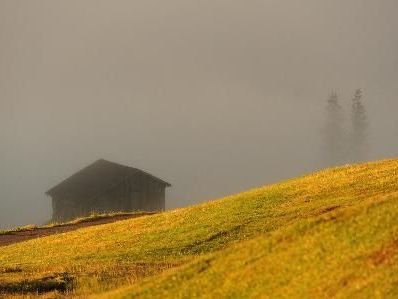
107	187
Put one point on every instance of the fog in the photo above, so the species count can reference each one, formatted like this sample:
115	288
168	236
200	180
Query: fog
214	96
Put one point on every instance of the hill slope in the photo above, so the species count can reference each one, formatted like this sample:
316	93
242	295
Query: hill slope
333	233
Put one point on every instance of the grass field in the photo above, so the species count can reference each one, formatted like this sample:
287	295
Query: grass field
330	234
91	218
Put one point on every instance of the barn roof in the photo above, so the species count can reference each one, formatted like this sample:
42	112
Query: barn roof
96	179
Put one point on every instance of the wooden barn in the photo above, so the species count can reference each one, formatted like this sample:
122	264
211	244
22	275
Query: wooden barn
107	187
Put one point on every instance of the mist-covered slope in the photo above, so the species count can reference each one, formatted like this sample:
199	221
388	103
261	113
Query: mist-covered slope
333	233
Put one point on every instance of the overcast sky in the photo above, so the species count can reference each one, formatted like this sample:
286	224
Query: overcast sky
214	96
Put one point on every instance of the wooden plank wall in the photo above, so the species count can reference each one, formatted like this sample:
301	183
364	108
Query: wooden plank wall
136	193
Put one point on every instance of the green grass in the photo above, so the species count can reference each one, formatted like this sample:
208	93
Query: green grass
330	234
92	217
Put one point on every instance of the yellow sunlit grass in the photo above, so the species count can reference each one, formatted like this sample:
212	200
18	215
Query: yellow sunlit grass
330	234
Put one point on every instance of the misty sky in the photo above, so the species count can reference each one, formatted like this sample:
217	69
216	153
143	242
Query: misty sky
214	96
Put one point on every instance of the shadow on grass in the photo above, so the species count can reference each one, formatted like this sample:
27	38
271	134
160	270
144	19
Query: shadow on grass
62	282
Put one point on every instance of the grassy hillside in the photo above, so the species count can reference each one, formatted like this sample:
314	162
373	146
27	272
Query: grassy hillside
333	233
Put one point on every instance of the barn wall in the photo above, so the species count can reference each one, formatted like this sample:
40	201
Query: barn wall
64	209
137	193
152	195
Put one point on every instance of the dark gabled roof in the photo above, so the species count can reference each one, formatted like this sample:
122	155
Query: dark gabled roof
96	179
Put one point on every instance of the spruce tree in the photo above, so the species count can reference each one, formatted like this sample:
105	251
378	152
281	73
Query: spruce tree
359	122
334	134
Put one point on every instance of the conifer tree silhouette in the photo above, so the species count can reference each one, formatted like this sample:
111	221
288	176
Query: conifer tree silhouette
359	123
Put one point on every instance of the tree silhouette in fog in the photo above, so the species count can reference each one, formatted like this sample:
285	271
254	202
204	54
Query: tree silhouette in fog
359	123
334	134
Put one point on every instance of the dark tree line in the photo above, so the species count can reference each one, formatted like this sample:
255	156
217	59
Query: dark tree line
342	143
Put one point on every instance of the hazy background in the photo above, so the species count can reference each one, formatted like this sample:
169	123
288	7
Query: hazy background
213	96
